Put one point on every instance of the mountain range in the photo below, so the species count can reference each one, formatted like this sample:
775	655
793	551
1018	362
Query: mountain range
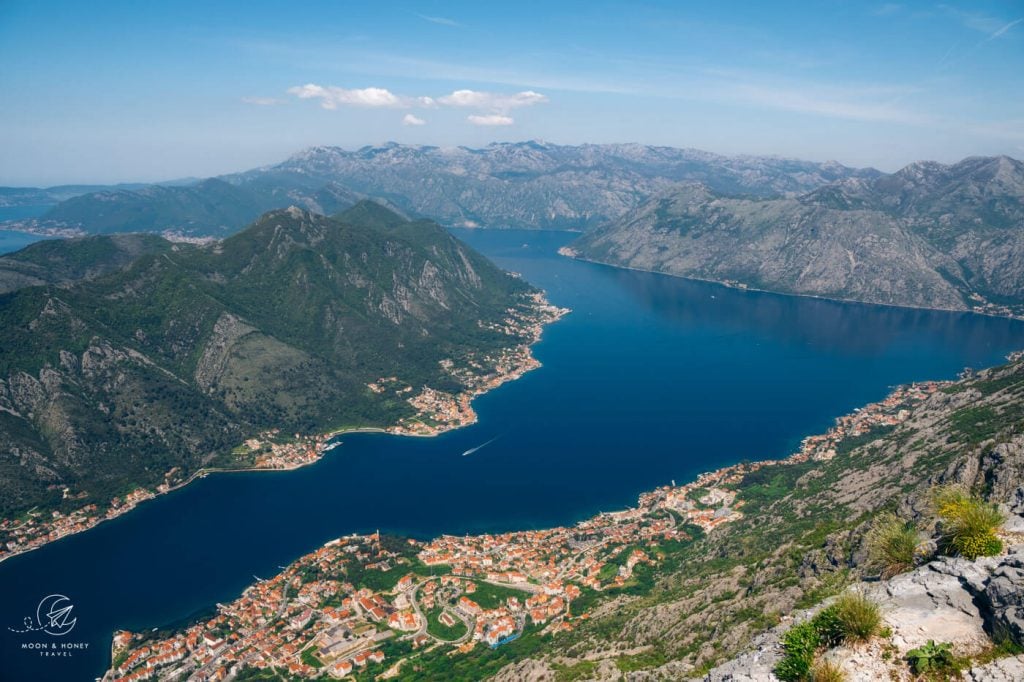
519	185
126	357
929	235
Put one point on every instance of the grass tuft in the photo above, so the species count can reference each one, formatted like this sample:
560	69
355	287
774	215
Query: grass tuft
827	671
968	525
892	545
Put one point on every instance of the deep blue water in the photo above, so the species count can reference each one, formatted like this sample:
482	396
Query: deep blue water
13	241
650	379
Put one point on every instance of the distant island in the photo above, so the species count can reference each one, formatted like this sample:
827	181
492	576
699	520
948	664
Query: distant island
133	364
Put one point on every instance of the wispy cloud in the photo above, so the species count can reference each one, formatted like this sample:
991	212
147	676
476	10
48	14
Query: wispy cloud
262	101
630	77
413	120
850	103
1004	28
490	120
993	27
888	9
1011	130
441	21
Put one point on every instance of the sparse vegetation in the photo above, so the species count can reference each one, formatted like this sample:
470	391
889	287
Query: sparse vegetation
858	616
827	671
935	661
968	524
852	618
582	670
799	645
892	544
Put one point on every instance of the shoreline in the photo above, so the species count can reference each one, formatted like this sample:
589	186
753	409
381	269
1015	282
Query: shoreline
322	442
32	226
568	252
521	560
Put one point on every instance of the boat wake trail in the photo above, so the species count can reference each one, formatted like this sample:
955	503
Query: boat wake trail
478	447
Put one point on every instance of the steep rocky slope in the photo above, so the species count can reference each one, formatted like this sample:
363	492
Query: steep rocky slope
949	237
954	601
168	363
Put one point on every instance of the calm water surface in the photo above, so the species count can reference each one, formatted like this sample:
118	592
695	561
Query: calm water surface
650	379
23	212
11	241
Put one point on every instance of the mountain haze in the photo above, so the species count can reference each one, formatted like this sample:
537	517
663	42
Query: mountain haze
211	207
532	185
547	186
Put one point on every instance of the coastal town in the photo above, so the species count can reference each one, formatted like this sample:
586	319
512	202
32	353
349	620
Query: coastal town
437	411
365	607
433	412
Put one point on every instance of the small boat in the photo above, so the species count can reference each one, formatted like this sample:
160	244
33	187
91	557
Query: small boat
478	447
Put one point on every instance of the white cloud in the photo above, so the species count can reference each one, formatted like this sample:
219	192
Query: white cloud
331	97
490	120
262	101
492	101
493	106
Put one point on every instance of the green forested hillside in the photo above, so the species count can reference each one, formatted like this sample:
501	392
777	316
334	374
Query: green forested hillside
174	359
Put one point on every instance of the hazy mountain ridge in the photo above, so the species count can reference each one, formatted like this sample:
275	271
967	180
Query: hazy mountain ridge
540	185
172	360
41	196
210	207
929	235
525	185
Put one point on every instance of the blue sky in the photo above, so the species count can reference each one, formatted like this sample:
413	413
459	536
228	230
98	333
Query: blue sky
140	91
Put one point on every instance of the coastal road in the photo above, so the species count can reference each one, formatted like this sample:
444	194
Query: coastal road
413	599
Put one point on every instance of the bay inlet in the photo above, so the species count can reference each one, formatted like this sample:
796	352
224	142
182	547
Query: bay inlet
650	379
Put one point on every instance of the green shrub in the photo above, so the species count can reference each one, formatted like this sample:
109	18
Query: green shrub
858	616
932	659
828	626
827	671
968	524
892	545
852	618
798	645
